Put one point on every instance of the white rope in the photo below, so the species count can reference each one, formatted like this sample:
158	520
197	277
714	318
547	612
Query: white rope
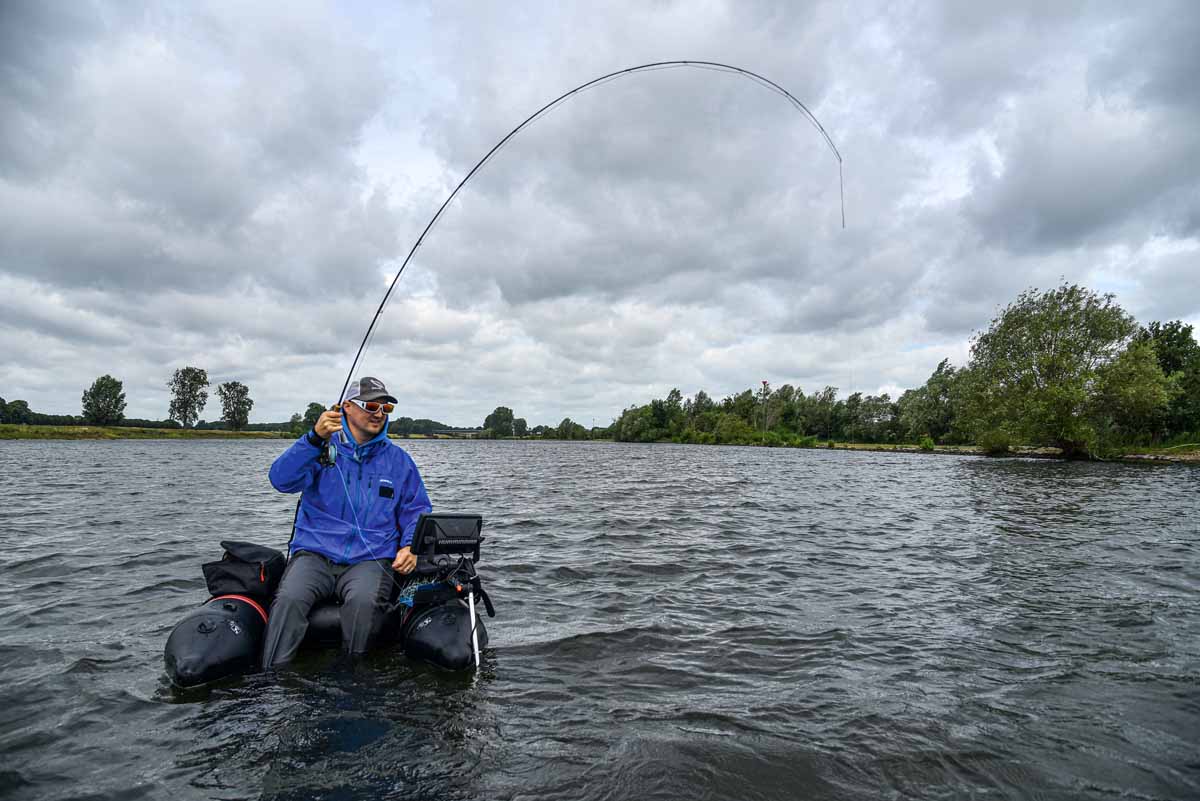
474	632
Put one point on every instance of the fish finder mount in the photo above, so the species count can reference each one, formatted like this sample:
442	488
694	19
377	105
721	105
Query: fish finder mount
443	539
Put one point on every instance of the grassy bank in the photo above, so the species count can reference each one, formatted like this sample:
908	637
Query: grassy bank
1189	452
10	431
1179	453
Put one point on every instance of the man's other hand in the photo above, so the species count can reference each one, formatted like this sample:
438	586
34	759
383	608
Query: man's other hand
405	560
328	423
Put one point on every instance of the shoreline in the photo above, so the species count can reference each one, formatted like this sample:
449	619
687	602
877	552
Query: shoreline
1017	452
13	431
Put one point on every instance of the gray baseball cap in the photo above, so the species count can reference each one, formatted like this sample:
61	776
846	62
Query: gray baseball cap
368	388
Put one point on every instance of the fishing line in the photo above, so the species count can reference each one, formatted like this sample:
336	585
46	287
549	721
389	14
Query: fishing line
715	66
390	572
358	527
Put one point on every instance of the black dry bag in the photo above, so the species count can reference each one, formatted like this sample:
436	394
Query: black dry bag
246	569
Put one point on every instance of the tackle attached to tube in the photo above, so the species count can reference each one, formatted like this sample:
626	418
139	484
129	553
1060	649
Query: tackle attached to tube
431	613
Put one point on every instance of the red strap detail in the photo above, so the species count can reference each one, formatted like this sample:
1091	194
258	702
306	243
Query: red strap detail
250	601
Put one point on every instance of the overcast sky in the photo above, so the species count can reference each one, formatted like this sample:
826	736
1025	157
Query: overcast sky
231	186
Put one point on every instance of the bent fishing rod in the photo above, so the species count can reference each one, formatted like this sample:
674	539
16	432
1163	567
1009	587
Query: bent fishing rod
595	82
329	456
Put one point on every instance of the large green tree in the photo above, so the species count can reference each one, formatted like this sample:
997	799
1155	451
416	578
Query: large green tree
1036	373
871	419
1130	395
701	404
783	410
189	393
931	410
235	404
1174	346
676	418
1178	356
520	427
18	411
569	429
732	429
822	412
760	407
744	405
104	402
312	414
500	422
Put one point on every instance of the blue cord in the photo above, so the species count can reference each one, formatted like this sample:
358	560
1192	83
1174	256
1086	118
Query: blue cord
354	511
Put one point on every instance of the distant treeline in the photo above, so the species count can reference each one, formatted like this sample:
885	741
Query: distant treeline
501	424
18	412
103	404
1065	368
407	426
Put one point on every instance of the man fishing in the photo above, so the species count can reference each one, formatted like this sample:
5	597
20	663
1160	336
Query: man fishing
360	498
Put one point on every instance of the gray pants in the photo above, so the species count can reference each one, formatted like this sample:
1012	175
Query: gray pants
363	590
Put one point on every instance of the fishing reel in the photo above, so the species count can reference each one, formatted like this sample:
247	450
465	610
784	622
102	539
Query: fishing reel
328	454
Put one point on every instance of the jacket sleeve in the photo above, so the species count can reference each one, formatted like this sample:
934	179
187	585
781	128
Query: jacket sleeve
296	467
415	503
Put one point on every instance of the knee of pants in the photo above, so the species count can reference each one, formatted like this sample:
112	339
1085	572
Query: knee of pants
360	606
284	602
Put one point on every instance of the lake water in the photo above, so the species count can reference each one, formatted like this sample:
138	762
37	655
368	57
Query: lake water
673	622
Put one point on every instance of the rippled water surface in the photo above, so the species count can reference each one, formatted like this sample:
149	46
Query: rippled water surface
673	622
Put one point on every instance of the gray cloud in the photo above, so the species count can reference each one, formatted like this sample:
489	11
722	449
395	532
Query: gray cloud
199	149
40	48
1105	147
1092	176
1152	56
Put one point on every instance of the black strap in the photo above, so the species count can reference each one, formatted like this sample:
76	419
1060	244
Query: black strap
295	517
487	602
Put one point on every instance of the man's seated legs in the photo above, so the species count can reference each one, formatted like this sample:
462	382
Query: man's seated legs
364	589
308	579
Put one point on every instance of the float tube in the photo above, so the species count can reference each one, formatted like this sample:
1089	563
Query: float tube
221	638
432	613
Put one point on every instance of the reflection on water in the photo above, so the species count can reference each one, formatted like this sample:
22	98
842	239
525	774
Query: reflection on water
674	622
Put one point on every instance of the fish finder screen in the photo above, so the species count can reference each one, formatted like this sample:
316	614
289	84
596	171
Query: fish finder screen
448	534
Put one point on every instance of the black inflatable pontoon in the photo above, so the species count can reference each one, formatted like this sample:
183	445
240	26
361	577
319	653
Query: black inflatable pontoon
432	613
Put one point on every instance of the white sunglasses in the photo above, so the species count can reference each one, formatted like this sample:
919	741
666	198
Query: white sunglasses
373	406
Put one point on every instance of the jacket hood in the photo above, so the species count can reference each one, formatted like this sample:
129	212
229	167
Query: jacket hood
359	452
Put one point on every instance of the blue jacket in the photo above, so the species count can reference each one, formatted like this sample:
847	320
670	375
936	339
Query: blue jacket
363	507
